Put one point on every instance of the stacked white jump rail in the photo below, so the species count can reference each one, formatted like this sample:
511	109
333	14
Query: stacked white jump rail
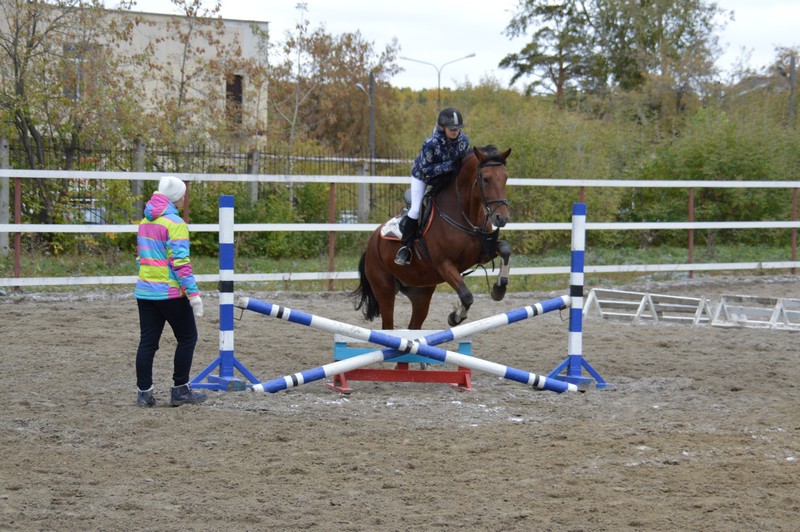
642	306
757	312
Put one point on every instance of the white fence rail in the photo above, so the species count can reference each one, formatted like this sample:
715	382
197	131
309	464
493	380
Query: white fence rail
342	227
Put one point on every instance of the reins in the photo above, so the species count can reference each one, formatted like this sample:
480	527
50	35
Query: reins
489	206
488	239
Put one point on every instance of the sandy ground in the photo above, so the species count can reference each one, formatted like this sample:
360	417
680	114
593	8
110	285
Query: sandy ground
700	432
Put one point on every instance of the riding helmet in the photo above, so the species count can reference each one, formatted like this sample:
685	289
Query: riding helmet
450	118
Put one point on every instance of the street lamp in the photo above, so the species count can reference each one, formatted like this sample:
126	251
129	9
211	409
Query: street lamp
791	76
371	96
365	192
438	74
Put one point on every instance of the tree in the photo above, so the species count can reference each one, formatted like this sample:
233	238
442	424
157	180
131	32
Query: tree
313	86
58	79
62	86
602	44
554	57
189	90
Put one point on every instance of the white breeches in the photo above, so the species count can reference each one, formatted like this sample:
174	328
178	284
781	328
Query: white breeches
417	193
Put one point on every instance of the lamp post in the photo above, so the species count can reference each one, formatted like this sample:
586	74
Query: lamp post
438	75
371	95
790	76
364	192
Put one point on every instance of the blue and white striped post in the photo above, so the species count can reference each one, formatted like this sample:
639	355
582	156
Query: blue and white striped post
226	360
448	335
575	363
405	345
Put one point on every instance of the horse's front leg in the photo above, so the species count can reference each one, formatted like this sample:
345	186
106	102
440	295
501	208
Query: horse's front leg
465	300
499	288
452	276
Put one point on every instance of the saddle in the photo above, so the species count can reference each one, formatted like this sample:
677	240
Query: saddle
391	229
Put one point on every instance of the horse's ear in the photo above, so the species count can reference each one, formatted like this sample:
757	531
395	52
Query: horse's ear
477	153
505	154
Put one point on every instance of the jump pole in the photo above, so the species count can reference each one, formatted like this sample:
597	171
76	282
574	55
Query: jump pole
226	361
448	335
405	345
575	363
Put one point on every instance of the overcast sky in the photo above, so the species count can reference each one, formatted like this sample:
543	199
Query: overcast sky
441	31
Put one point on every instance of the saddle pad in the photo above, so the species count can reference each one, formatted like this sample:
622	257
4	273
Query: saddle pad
391	229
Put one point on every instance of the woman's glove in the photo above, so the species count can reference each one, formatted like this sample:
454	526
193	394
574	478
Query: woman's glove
197	306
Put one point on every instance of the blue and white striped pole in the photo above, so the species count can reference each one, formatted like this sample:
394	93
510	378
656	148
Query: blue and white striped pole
439	337
575	363
226	359
403	345
577	260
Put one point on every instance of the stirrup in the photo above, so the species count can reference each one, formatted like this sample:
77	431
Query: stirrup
403	257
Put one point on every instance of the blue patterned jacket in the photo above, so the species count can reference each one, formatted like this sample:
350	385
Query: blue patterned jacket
439	155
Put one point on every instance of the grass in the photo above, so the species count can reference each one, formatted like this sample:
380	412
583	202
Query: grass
119	264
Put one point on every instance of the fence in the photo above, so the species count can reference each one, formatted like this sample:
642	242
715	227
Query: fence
203	159
333	226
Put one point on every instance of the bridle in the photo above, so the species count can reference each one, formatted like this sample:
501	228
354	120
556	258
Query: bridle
489	206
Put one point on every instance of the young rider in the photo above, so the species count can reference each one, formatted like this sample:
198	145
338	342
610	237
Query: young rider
439	155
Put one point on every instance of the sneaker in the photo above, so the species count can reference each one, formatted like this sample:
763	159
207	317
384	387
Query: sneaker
403	257
145	398
183	395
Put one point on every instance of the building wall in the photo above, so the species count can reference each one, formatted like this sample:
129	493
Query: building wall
154	28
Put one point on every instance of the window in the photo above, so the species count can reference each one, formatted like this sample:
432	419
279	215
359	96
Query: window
78	59
233	98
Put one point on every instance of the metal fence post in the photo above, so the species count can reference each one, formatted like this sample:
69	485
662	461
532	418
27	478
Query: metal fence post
137	187
253	169
691	231
5	193
794	230
331	234
363	197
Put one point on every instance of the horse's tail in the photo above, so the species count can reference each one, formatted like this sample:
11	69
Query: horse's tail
367	300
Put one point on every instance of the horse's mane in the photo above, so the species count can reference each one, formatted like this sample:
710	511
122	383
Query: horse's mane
491	154
444	180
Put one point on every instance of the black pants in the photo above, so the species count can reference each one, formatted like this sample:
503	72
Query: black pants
152	317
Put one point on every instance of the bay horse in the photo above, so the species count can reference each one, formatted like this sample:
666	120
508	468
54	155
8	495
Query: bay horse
459	226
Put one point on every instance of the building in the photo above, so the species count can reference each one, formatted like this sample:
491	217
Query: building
225	56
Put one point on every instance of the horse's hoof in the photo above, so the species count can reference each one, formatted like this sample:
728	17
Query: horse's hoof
454	319
498	292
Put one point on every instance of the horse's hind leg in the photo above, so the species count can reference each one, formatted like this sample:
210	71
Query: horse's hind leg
384	290
499	288
420	298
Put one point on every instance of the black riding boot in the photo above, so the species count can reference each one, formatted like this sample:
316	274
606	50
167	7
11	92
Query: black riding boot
409	227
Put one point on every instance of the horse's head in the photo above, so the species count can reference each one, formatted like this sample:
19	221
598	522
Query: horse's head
491	180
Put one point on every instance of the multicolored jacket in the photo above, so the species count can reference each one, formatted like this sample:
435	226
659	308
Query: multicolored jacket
438	155
165	271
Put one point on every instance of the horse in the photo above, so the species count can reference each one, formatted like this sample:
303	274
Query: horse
459	229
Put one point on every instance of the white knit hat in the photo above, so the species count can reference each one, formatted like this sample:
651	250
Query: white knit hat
172	187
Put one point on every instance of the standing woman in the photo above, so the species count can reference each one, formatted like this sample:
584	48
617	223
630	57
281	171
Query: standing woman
166	292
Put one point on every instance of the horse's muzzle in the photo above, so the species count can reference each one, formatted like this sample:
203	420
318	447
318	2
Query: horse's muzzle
499	219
